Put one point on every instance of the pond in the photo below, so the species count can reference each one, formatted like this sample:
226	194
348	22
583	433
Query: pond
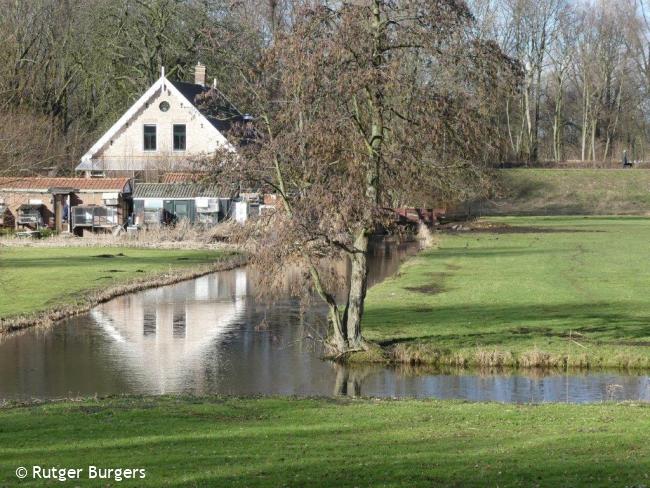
214	335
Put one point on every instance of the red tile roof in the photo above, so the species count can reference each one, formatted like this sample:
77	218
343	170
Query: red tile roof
43	183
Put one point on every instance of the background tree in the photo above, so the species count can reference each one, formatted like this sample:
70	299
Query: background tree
76	65
81	63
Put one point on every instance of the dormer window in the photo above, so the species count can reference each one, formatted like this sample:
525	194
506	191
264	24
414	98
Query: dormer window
180	137
149	137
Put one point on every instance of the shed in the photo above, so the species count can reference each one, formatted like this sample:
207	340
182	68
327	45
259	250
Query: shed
31	215
58	198
165	203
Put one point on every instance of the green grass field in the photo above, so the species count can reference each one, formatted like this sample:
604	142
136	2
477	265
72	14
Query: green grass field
577	294
569	192
34	279
311	442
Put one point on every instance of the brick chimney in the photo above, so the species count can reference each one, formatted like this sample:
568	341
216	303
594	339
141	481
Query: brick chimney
199	74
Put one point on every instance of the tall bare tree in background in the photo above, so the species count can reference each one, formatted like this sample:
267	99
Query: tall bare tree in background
584	96
73	66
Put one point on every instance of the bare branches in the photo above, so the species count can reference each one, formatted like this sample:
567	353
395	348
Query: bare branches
358	108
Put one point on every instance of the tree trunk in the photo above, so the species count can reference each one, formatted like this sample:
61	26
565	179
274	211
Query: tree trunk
593	139
611	131
357	294
512	142
359	266
557	120
585	120
337	339
534	153
556	133
337	336
529	125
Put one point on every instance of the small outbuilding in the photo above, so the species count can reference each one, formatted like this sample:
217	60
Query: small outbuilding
63	203
166	203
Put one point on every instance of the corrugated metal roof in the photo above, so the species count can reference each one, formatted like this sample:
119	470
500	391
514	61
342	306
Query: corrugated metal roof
82	184
173	190
181	177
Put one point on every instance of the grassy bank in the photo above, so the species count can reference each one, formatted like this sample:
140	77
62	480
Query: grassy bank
550	291
288	442
38	283
569	192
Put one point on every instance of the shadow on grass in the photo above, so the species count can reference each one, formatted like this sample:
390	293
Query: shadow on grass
619	323
492	252
296	443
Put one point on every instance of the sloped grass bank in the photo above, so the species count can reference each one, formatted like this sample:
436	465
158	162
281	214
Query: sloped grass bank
318	442
568	192
526	292
39	285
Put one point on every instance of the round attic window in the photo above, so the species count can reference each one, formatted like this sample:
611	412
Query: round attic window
164	106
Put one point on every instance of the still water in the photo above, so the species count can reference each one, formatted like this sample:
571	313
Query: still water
215	335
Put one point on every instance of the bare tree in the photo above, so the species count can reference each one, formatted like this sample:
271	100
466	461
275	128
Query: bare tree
363	107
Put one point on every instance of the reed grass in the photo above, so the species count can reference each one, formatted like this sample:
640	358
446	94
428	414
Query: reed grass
182	235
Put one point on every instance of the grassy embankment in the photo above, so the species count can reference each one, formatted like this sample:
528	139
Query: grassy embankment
569	192
551	291
38	284
312	442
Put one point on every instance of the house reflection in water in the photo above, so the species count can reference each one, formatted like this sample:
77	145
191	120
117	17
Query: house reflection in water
162	335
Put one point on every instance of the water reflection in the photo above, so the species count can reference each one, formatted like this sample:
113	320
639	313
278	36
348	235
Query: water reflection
161	336
212	335
500	386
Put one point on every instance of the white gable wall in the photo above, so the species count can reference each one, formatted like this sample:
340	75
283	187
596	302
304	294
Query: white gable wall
124	150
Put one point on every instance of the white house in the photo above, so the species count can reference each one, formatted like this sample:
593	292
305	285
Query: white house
165	130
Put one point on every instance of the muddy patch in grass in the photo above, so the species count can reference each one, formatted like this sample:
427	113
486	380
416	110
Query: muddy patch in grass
617	343
499	228
430	289
90	409
108	256
433	288
532	330
423	309
545	332
594	328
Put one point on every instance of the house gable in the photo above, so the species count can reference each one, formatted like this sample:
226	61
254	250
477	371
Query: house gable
121	148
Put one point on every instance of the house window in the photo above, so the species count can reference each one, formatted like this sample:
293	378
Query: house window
149	137
179	137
